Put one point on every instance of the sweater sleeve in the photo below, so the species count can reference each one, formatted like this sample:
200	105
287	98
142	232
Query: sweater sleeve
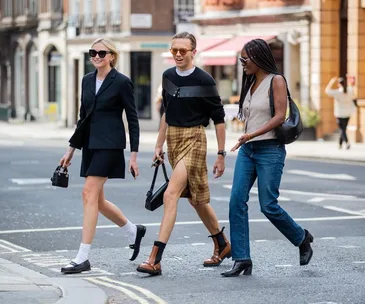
216	110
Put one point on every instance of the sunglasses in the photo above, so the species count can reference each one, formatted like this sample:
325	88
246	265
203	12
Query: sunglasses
101	54
182	51
243	60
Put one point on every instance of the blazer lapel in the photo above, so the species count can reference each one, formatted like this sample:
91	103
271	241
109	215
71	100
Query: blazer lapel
93	82
107	81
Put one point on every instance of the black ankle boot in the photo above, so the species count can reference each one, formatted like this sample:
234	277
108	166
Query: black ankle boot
238	267
305	249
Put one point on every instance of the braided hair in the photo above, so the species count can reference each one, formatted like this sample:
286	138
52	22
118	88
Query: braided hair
260	53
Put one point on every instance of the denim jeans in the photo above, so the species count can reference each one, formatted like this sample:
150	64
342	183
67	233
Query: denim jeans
263	160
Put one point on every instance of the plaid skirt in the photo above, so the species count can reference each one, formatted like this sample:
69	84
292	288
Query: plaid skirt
190	145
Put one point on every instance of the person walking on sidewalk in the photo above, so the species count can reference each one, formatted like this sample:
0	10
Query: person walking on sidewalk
344	106
190	99
100	133
261	156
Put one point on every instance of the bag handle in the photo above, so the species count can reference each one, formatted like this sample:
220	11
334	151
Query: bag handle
271	96
155	176
59	169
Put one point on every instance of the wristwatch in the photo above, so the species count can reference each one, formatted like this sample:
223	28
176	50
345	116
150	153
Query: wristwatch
222	152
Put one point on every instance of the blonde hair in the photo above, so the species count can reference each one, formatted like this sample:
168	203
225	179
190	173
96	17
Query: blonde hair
111	47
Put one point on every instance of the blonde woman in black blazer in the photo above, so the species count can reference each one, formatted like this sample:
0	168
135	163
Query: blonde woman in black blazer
100	133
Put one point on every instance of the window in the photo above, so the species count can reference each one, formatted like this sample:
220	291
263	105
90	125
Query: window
7	7
74	19
33	8
101	17
115	12
88	66
141	77
183	10
88	17
54	76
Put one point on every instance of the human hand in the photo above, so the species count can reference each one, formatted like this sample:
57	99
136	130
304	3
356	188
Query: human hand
219	166
66	159
133	167
244	138
158	157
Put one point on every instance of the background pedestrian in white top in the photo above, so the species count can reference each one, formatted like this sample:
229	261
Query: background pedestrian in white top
344	106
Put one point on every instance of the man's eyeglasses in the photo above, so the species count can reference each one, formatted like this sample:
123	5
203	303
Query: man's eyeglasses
243	60
182	51
101	54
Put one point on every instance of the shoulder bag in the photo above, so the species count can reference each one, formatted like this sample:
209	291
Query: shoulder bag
292	127
155	199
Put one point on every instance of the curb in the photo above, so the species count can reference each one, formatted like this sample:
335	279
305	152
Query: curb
70	290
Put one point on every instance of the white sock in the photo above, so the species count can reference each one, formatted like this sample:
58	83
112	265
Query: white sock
130	231
83	253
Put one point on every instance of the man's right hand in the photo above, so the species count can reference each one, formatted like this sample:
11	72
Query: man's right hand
158	155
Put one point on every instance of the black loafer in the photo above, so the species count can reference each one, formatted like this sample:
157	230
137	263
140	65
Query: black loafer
76	268
141	231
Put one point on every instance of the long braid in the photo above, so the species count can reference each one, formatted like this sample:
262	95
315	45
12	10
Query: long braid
259	52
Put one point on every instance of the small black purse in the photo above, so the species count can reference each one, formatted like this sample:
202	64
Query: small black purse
292	127
60	177
155	199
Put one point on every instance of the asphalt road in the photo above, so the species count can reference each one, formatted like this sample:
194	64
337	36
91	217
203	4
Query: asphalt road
43	226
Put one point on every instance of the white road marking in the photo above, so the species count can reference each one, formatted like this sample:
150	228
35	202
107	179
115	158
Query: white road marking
283	266
305	193
358	262
328	238
206	269
316	200
198	244
145	292
324	303
11	143
12	247
322	175
92	273
31	181
348	246
309	219
24	162
260	241
333	208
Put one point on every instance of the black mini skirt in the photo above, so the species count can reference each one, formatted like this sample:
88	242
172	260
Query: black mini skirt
103	163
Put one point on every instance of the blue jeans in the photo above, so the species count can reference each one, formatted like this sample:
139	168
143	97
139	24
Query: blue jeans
263	160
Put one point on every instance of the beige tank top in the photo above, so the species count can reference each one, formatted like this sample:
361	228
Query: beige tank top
256	109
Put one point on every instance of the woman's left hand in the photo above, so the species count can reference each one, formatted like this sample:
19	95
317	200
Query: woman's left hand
244	138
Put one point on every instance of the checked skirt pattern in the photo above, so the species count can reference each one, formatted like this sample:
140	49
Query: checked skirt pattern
190	145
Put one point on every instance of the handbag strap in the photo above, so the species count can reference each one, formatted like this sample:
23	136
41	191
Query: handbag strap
271	96
155	176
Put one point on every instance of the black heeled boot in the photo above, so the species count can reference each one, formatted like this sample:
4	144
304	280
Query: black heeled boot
305	249
238	267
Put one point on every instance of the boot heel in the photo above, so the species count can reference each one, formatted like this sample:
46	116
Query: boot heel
311	238
248	271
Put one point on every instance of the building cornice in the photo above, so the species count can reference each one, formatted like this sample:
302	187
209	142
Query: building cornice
256	15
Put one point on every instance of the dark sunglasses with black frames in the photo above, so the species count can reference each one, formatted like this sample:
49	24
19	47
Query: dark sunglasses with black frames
243	60
101	54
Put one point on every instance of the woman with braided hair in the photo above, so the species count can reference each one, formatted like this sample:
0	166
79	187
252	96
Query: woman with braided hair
261	156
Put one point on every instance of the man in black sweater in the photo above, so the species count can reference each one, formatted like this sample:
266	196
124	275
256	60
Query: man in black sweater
190	99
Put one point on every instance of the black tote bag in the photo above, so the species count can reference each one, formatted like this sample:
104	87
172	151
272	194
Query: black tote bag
154	199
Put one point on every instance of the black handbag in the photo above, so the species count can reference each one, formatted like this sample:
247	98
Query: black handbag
292	127
60	177
155	199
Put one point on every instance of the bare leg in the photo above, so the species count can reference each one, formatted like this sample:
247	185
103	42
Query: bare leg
177	184
90	194
110	211
208	217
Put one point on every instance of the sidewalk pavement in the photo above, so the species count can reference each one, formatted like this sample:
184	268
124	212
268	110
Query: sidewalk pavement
19	285
325	150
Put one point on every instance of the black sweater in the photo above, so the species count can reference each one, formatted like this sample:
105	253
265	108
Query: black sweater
193	111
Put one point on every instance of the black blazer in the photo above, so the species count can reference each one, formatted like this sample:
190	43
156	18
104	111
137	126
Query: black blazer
101	114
